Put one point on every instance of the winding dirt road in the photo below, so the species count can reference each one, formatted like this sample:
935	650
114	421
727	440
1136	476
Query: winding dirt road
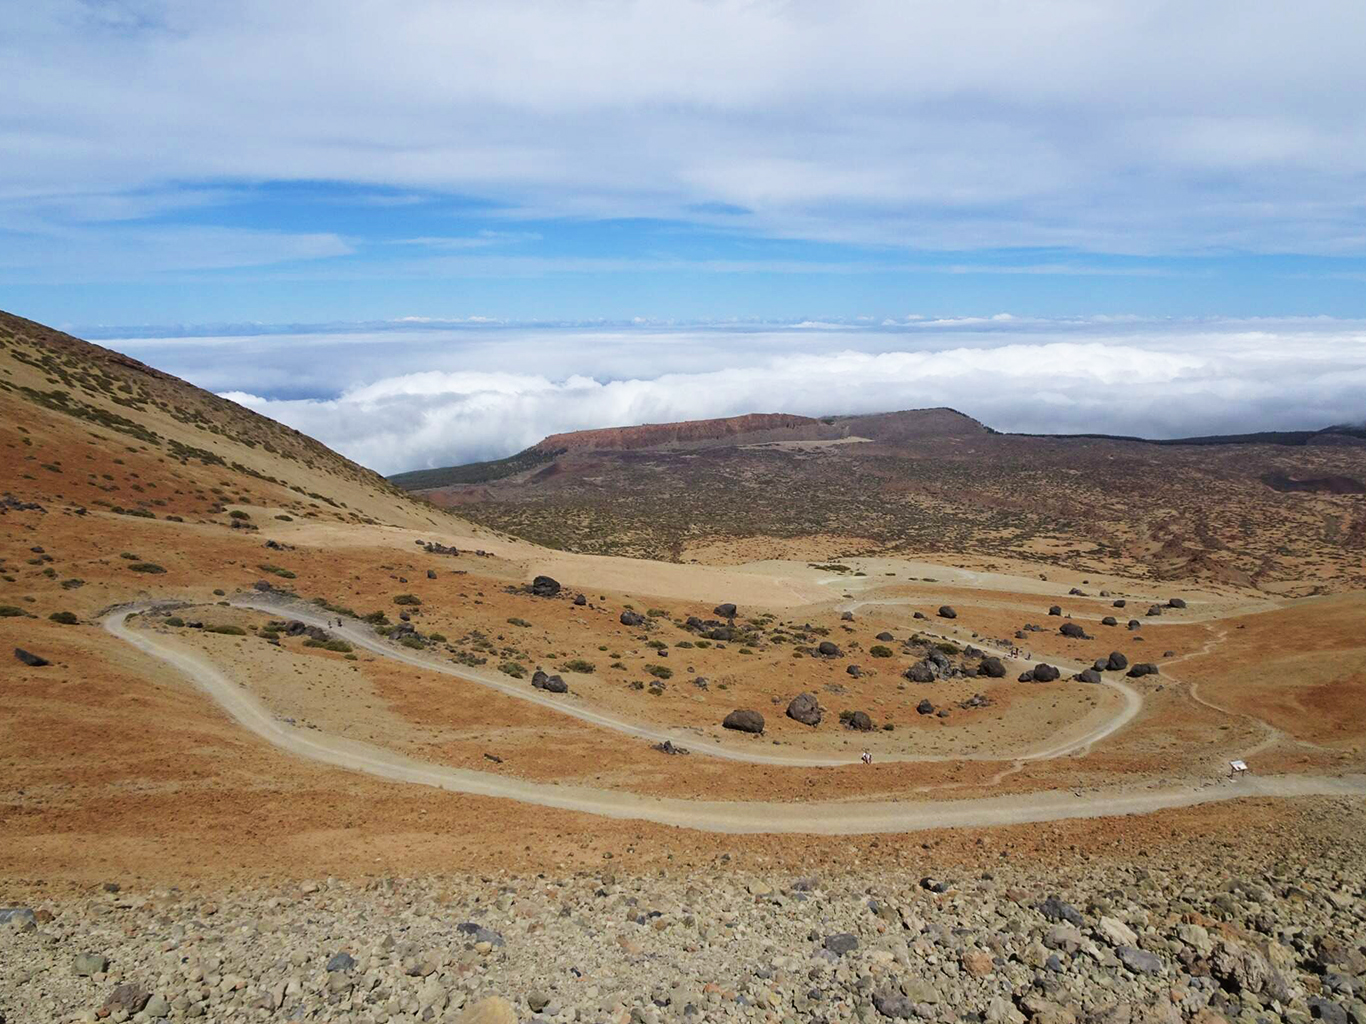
849	817
361	635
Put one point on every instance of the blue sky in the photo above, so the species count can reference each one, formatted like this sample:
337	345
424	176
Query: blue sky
197	163
427	231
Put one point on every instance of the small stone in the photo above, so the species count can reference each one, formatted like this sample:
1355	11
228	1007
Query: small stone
978	963
891	1003
128	998
1116	932
1140	961
493	1010
87	964
842	943
341	962
157	1006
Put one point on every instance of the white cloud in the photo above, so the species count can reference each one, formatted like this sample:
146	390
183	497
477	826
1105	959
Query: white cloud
70	255
1126	378
1124	126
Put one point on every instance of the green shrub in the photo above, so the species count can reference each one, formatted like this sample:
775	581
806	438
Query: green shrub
513	669
617	664
658	645
376	619
149	567
226	630
684	643
175	620
437	638
745	650
657	613
413	642
947	647
285	574
237	513
336	646
408	599
220	593
285	519
514	621
660	671
65	618
8	611
879	651
129	556
268	634
579	665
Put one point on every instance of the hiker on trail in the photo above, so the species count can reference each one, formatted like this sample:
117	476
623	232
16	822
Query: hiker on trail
866	757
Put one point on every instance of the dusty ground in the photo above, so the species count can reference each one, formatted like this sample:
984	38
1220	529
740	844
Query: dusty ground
112	763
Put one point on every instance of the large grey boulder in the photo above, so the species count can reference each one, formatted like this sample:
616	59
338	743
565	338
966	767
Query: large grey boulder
992	667
744	720
804	708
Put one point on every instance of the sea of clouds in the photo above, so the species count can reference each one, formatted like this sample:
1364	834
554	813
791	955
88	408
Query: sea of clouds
410	396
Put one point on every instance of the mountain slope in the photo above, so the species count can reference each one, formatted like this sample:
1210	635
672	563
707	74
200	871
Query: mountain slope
1283	512
58	392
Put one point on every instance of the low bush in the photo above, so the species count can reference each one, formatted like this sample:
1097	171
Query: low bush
407	599
579	665
148	567
65	618
660	671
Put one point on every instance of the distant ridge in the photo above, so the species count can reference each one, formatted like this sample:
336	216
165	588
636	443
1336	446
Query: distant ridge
1337	434
756	428
650	435
752	428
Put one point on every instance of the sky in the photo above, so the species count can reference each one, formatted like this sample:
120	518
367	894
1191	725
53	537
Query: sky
531	177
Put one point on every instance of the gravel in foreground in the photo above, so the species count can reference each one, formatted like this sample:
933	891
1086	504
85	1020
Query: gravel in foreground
1247	937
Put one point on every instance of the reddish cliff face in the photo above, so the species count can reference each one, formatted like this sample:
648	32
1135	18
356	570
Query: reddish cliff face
650	435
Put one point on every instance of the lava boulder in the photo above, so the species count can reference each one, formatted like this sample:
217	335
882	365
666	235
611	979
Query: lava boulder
544	586
802	708
744	720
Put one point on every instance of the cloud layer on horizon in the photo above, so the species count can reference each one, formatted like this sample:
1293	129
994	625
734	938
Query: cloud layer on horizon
449	399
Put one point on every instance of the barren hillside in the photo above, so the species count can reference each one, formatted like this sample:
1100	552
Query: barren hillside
1283	513
84	426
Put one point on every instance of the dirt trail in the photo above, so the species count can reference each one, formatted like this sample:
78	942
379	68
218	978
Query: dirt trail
361	635
825	818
